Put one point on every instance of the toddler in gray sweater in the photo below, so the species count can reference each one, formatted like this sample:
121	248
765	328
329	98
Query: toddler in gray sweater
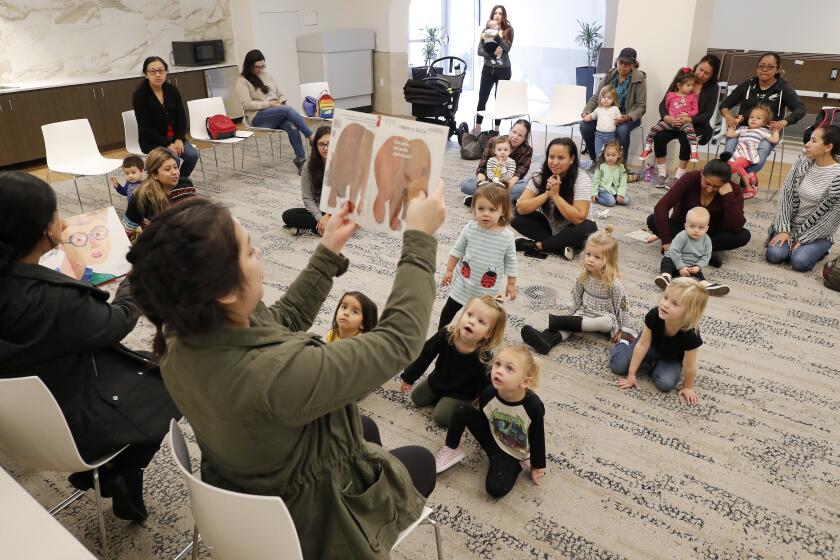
689	253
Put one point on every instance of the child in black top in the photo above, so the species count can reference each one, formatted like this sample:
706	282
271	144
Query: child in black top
669	342
463	351
508	425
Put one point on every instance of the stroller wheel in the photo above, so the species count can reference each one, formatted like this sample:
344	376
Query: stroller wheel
463	128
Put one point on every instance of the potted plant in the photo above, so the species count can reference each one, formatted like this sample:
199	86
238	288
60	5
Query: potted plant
433	39
590	38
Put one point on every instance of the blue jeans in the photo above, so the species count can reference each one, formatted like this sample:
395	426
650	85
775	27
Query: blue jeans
803	259
601	138
665	373
622	132
764	149
469	185
188	160
608	199
287	119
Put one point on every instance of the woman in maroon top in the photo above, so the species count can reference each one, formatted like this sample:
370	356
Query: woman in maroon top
712	189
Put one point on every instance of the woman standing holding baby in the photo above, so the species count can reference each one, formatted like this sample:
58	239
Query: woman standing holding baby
493	45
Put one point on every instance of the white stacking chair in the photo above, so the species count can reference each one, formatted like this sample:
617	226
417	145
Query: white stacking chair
566	105
199	110
132	139
71	150
235	525
511	101
34	432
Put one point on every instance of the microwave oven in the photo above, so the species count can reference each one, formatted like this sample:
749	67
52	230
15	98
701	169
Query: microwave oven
198	53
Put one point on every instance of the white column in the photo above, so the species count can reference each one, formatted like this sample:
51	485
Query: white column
667	35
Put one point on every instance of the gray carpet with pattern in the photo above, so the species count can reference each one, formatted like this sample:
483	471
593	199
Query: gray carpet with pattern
752	472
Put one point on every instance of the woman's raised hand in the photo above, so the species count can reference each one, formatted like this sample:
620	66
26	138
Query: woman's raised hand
426	213
339	229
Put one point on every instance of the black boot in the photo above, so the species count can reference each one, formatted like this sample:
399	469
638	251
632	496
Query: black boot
128	495
568	323
543	341
84	480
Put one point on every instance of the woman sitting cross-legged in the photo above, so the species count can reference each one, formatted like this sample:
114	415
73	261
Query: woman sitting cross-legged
552	211
809	206
265	106
273	407
713	190
310	216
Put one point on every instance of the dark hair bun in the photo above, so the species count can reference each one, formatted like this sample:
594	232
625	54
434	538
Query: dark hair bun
725	156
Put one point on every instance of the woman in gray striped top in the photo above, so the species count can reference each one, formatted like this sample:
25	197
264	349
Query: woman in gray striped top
809	207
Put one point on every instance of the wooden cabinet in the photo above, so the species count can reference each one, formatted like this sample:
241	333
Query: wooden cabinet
24	113
115	97
190	84
81	102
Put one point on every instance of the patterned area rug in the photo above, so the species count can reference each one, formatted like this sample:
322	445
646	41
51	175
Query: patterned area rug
752	472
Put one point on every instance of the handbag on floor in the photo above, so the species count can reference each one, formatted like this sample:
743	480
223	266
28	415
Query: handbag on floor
831	274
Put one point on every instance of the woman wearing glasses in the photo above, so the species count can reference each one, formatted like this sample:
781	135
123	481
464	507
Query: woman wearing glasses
265	106
64	331
310	217
163	187
766	88
161	119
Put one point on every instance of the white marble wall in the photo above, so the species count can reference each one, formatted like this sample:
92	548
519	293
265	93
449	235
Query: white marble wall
48	39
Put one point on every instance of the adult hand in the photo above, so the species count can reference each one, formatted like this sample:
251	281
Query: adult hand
619	199
684	271
684	119
622	119
669	119
594	199
652	238
726	188
322	223
779	239
339	229
498	51
405	387
426	213
274	103
536	475
553	185
178	147
778	125
689	396
795	246
616	337
732	121
447	279
587	117
665	247
628	383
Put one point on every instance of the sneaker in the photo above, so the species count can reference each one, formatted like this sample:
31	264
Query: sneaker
543	341
662	280
299	164
659	181
695	157
716	259
468	201
535	253
446	458
525	244
627	337
750	192
569	254
716	289
646	153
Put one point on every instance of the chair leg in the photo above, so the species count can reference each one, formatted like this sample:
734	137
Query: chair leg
259	156
191	548
102	534
203	174
438	544
67	501
108	187
271	145
218	174
195	543
75	184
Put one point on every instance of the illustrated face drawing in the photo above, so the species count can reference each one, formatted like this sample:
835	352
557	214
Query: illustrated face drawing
350	164
402	170
86	239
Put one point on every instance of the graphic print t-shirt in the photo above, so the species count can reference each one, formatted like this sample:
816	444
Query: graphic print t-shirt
517	427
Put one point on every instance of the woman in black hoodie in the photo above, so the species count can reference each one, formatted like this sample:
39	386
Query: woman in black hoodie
766	88
64	331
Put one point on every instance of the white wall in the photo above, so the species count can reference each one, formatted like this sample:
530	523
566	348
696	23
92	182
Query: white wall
804	26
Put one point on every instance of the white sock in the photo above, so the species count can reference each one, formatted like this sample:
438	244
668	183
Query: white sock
680	172
597	324
662	169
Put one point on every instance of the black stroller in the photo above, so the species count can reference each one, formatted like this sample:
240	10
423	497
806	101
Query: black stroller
434	91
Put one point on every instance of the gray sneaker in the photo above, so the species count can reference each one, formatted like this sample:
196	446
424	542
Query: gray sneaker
659	181
716	289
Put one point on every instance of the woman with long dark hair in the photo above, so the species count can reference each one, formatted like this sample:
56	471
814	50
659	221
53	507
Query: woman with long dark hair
310	216
552	211
497	62
273	407
64	331
265	106
161	118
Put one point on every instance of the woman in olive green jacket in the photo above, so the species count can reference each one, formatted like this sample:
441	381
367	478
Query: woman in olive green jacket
274	408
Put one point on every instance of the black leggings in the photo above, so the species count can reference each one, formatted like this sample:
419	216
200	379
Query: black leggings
535	226
504	469
490	76
660	143
299	218
450	309
667	265
419	461
721	240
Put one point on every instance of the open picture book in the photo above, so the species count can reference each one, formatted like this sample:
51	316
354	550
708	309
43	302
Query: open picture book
379	163
92	248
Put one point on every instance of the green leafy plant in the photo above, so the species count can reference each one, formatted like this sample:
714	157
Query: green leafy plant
433	39
590	38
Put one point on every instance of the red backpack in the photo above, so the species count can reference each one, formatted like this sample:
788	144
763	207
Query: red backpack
220	127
